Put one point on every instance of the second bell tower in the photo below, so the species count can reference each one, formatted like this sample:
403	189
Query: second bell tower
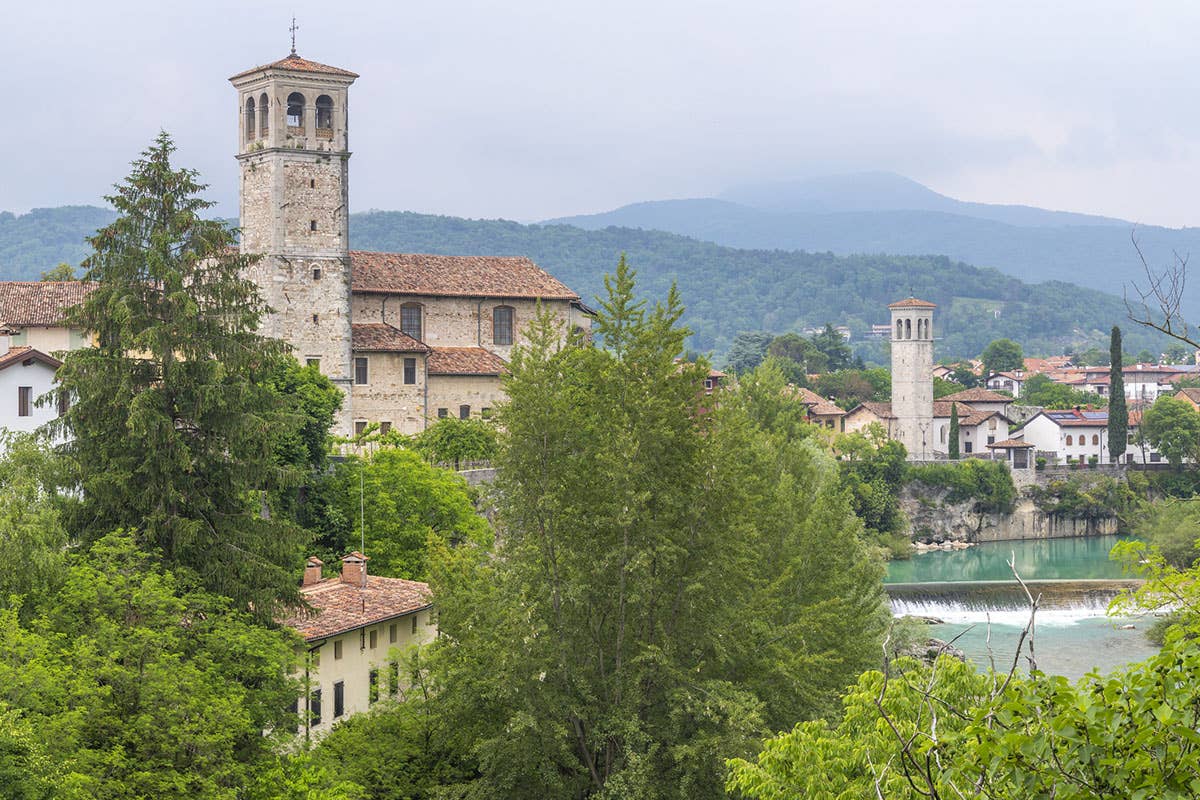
293	149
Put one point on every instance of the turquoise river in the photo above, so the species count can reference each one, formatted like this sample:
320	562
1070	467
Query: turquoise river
974	592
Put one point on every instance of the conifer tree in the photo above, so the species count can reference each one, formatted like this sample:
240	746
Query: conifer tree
173	416
953	447
1118	416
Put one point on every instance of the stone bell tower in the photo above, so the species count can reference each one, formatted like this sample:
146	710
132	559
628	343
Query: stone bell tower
294	154
912	375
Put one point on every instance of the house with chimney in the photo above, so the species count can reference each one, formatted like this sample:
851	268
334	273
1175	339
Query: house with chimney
356	628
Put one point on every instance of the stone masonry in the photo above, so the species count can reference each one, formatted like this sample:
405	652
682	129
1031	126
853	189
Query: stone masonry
912	375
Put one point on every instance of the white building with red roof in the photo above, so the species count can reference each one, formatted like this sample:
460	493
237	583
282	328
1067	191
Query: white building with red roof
356	629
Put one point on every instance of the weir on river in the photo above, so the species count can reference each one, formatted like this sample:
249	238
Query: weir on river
973	591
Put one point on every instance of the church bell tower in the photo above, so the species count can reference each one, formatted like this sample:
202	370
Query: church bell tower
294	154
912	375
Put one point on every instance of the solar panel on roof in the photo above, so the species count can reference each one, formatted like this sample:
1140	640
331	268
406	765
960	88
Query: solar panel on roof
1095	414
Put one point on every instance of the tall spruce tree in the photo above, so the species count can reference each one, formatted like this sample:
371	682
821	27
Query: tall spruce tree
1118	416
953	446
173	416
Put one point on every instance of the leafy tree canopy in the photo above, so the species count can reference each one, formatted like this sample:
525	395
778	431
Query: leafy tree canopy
1002	355
1172	426
1040	390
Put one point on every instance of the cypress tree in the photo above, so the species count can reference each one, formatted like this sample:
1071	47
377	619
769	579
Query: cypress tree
1118	416
954	431
173	418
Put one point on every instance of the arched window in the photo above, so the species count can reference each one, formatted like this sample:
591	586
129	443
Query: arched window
908	329
250	127
1070	440
1095	438
264	124
410	320
943	436
899	329
502	325
324	112
295	110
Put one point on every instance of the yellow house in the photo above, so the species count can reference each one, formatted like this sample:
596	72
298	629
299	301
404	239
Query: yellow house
354	633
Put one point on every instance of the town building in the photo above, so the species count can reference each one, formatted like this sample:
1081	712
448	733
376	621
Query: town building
408	338
355	633
1078	435
976	428
1007	381
28	395
821	412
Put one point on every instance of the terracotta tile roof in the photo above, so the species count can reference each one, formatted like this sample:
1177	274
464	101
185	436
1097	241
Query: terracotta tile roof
912	302
883	410
454	276
18	355
818	405
25	303
978	395
338	607
1191	394
295	63
464	361
379	337
1010	444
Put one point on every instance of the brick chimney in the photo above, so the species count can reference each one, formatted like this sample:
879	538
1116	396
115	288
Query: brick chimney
354	569
312	571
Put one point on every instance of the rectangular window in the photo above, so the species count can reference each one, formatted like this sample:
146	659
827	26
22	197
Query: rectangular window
393	677
464	412
312	361
312	225
443	413
991	440
316	273
360	370
339	699
410	370
24	401
410	320
314	708
373	692
337	649
485	412
384	426
414	624
966	447
502	325
373	639
392	633
359	427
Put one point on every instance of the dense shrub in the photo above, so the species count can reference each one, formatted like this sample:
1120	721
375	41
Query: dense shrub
1081	498
988	483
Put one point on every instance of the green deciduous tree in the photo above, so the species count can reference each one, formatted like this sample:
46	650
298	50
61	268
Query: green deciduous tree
1118	415
833	346
1002	355
748	350
174	418
1040	390
1172	427
32	536
452	441
62	272
873	470
594	655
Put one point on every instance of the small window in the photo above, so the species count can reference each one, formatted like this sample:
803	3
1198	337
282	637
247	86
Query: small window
360	427
339	699
324	112
443	413
502	325
385	426
991	440
314	707
337	649
966	447
312	224
264	127
410	320
1095	438
373	691
250	126
316	273
63	400
708	383
316	318
464	412
1070	440
486	413
24	401
393	677
392	633
312	183
312	361
360	370
410	370
373	639
414	624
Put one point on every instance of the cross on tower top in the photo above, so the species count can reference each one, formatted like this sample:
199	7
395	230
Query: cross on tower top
293	29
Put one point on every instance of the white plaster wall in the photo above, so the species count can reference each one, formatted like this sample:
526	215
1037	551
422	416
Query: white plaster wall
40	377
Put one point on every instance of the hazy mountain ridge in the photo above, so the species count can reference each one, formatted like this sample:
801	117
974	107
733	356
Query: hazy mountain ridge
727	290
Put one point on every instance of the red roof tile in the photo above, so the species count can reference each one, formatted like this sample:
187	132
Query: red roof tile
912	302
1010	444
454	276
25	303
295	63
977	395
20	354
818	405
464	361
338	607
379	337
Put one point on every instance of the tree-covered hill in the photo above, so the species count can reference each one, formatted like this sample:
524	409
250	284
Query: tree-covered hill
727	290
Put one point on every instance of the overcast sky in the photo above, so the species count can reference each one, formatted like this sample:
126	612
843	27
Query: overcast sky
532	109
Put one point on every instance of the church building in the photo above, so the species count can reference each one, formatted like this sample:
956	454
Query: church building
409	338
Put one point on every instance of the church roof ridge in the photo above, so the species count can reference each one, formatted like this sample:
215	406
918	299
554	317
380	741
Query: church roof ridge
295	63
912	302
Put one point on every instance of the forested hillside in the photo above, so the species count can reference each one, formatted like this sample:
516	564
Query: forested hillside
726	290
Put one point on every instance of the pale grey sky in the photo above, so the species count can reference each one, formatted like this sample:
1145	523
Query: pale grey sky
529	110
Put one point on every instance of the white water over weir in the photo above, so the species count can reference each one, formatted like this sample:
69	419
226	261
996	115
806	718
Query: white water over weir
1062	602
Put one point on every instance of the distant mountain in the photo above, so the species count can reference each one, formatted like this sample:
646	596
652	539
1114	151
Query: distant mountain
881	213
726	290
